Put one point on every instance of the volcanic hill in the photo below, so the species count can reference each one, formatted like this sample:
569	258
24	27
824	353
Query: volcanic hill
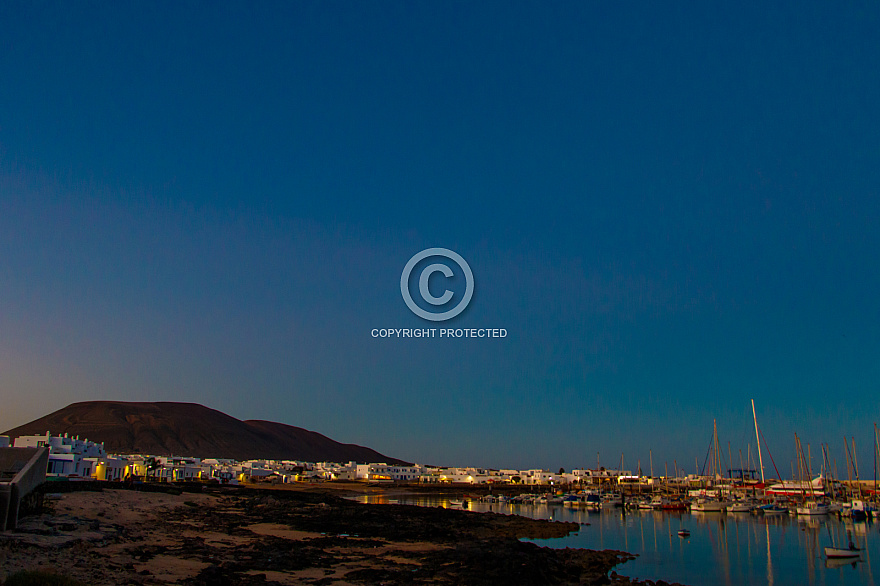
190	429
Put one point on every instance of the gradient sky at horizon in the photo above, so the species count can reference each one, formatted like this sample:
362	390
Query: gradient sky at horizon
672	210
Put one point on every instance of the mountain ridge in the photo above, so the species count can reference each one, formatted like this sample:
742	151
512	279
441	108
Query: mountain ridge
167	428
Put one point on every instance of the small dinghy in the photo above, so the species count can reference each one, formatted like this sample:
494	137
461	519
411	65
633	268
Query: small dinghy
840	552
684	533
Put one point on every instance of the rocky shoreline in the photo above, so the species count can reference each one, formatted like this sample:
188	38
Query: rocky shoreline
229	535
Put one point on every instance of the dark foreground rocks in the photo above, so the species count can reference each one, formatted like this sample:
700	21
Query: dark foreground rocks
250	536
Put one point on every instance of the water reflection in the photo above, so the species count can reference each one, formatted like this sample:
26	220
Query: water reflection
731	549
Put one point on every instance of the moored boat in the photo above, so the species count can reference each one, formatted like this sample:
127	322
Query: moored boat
860	510
708	506
812	508
612	501
798	487
840	552
772	509
740	507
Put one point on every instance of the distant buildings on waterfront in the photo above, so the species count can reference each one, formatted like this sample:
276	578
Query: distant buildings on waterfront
75	458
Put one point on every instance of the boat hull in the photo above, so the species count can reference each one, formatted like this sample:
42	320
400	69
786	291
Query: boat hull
841	553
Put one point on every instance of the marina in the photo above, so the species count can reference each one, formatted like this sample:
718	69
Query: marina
704	547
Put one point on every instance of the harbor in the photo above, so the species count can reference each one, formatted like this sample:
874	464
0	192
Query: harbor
693	547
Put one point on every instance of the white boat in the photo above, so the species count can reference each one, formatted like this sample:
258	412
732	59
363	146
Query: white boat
812	508
708	506
840	552
740	507
611	501
860	510
798	487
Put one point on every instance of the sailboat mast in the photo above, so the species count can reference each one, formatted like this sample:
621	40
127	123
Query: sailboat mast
826	473
729	462
848	469
675	463
831	474
856	467
758	437
876	450
810	471
715	453
802	466
836	475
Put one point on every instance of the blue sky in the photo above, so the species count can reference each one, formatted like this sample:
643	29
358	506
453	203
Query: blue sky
672	210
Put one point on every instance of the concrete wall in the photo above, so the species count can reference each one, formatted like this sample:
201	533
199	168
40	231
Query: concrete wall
21	471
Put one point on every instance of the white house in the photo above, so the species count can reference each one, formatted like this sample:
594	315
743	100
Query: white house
68	456
382	472
598	476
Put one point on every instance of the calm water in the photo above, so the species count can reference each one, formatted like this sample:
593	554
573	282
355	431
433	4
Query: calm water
731	549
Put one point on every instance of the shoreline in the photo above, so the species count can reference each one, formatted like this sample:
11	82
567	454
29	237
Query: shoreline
209	534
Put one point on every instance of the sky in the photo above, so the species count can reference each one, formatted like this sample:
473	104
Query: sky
670	210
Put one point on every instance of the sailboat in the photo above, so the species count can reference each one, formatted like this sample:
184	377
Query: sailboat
810	506
709	505
813	508
839	552
743	506
772	509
